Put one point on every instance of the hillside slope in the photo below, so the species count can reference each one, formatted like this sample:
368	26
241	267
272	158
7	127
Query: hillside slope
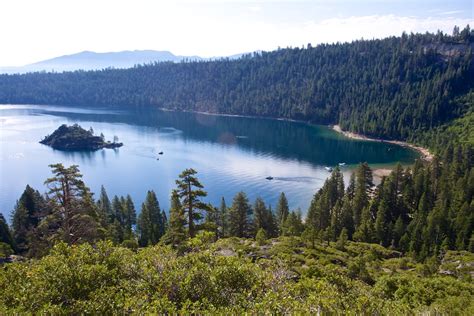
392	88
237	276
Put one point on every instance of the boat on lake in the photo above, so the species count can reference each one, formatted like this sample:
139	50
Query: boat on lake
269	178
329	169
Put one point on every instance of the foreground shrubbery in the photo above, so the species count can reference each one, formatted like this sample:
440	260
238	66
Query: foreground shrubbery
231	275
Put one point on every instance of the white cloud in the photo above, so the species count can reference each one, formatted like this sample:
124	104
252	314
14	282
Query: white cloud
376	26
450	12
32	30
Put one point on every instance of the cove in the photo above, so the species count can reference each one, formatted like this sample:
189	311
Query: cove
231	154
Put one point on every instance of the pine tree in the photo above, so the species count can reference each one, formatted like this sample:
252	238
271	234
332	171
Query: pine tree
272	226
130	217
105	207
398	231
347	218
176	233
282	210
310	234
363	184
223	219
190	191
5	234
210	222
381	224
365	231
29	210
117	223
72	219
293	225
150	224
260	215
239	216
342	240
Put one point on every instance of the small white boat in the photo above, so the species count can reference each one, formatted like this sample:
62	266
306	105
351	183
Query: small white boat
328	169
342	164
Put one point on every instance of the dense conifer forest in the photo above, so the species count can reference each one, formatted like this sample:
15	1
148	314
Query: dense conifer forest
395	88
402	246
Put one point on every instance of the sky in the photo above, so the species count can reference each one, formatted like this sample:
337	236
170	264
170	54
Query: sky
33	30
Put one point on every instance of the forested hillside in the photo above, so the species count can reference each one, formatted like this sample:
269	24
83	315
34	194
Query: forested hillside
403	246
396	87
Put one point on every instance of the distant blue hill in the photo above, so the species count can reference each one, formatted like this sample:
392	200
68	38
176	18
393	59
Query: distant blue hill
92	61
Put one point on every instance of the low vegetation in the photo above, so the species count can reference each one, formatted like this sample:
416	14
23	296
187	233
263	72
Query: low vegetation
235	275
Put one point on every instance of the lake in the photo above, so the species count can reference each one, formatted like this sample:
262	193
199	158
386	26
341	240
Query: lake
231	154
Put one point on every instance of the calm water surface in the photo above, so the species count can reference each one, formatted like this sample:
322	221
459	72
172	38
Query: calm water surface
230	153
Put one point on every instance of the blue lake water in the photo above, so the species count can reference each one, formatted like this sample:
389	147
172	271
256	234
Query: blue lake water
230	153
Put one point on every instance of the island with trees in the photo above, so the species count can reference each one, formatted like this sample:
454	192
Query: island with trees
75	137
402	246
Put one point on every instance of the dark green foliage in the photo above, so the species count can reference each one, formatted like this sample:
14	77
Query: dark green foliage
240	224
223	219
175	234
190	191
263	218
324	208
28	212
104	207
282	210
73	216
394	87
293	225
425	211
76	138
6	240
457	131
151	222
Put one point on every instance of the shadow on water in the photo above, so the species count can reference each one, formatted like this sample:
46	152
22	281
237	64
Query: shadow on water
284	139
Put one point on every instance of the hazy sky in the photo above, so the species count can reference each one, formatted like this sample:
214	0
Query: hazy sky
34	30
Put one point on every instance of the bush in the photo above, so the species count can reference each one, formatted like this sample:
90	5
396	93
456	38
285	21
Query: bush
5	250
105	279
261	237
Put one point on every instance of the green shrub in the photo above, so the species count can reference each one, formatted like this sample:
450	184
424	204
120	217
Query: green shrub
261	237
5	250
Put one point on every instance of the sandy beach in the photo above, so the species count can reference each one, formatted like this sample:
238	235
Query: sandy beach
425	153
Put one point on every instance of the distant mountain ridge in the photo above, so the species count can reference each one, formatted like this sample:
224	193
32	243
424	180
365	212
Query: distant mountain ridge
394	88
88	60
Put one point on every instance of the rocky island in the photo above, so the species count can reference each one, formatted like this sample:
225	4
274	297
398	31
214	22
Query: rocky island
74	137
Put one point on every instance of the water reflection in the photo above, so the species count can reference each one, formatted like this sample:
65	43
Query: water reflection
230	153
